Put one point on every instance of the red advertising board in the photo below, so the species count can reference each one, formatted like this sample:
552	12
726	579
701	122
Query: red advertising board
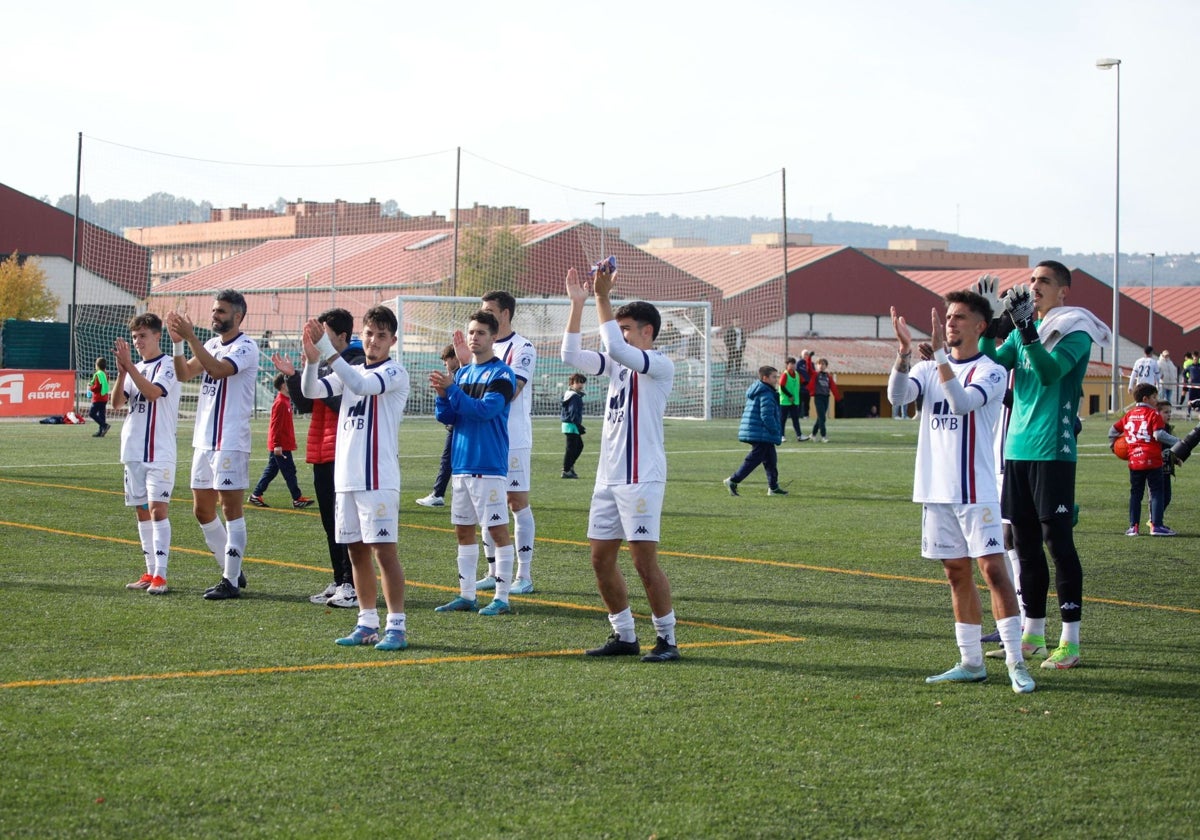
36	393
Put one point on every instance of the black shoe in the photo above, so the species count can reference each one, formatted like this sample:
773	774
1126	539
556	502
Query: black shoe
663	651
615	647
776	491
104	431
241	583
223	591
569	474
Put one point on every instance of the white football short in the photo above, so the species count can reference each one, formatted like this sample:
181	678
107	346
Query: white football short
145	483
518	470
478	500
631	512
213	469
367	516
949	532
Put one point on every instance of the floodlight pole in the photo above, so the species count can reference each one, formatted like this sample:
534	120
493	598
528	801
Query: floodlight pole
71	319
1150	319
1108	64
601	256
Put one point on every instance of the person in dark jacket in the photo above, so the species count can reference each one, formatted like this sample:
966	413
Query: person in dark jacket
762	428
571	416
319	451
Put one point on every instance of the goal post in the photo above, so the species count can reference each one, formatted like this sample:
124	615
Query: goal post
427	323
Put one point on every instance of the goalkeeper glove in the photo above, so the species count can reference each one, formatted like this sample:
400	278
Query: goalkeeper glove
988	287
1018	303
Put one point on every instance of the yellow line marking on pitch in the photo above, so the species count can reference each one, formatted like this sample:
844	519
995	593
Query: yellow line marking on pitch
348	666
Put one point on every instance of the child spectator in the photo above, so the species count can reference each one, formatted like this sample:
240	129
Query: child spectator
822	385
1145	435
99	388
572	422
762	428
438	497
1164	408
281	440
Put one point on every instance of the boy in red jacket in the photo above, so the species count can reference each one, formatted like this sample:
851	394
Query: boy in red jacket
1145	435
281	440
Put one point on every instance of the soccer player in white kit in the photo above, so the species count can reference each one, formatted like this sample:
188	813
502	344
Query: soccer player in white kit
631	476
518	353
228	364
955	477
149	388
366	466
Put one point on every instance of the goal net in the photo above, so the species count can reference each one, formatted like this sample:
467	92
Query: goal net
427	324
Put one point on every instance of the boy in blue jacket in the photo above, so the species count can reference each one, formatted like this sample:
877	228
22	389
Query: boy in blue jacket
762	428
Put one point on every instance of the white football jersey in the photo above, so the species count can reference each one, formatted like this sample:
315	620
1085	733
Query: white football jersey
225	406
148	435
956	460
373	398
520	355
639	381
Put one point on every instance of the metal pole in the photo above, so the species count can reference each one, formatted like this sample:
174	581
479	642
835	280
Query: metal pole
306	315
1150	319
1108	64
457	184
74	266
601	256
787	311
333	260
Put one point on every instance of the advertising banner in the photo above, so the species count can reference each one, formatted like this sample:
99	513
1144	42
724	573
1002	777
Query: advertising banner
36	393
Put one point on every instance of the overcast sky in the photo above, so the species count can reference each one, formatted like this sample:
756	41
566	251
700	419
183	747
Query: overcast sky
989	119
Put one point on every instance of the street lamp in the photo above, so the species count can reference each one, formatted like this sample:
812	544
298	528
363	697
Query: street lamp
1108	64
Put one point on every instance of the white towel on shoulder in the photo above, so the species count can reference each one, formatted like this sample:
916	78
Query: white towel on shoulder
1063	320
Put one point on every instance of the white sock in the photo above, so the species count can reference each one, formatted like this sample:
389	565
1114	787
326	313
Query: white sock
162	546
664	627
215	539
395	621
1070	633
1010	637
523	536
369	618
622	625
146	535
1014	570
468	568
969	645
489	551
236	549
1035	626
504	567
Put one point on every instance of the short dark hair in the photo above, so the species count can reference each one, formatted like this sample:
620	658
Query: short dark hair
148	320
279	381
767	370
790	360
487	319
100	363
339	320
507	302
641	312
1149	350
1062	274
977	303
1143	390
381	316
448	353
233	297
577	377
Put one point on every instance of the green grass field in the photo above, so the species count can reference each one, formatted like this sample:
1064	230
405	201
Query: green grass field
808	624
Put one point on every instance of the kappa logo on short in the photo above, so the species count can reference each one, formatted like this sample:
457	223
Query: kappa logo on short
227	482
992	543
383	532
641	529
1061	509
165	495
495	518
512	484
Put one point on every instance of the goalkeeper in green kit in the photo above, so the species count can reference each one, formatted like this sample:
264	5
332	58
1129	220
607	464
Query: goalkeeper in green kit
1048	351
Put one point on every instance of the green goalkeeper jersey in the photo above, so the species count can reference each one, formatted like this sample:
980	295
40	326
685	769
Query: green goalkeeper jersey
1047	386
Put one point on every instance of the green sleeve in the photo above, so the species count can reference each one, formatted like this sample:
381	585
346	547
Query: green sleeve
1005	354
1049	366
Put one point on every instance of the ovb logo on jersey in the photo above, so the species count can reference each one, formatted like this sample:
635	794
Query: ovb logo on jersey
356	415
616	405
941	418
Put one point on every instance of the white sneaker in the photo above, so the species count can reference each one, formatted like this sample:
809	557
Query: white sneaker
322	597
345	597
431	501
521	586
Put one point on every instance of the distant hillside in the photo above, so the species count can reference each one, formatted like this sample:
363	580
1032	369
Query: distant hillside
1169	269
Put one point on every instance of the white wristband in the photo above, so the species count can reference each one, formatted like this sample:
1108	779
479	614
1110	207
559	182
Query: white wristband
939	356
325	347
177	348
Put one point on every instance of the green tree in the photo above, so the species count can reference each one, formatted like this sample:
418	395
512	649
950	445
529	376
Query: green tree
23	292
488	258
